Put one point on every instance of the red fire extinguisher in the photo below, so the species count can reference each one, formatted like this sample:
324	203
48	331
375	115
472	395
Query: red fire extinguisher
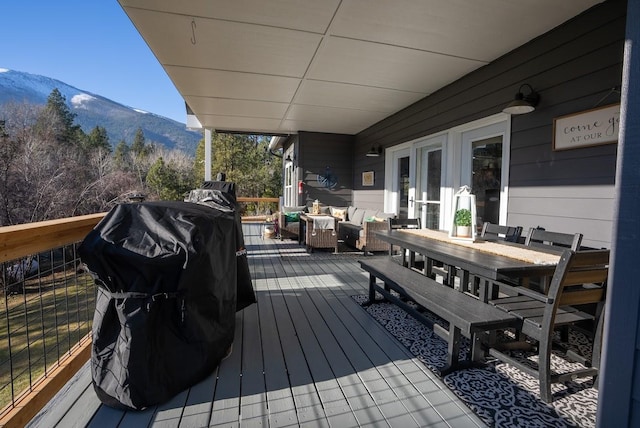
300	187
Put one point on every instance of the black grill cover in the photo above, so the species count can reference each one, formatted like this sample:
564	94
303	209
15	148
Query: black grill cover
167	296
221	195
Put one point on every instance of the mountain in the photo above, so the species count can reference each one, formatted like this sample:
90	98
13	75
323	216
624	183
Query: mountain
120	121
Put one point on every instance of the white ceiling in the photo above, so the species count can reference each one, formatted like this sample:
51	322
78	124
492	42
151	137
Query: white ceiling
279	67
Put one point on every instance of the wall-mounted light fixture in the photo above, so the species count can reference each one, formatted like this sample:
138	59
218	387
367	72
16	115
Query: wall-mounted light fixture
374	151
291	157
523	103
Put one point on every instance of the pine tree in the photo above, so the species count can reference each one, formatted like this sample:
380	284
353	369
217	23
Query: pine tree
139	147
57	117
163	180
121	156
98	139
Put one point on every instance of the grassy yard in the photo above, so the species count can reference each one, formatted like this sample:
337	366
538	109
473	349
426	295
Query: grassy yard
41	325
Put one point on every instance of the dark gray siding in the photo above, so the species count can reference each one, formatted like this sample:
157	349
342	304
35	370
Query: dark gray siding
369	196
321	155
572	67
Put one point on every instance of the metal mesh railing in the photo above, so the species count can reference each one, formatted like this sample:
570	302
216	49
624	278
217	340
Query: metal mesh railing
46	307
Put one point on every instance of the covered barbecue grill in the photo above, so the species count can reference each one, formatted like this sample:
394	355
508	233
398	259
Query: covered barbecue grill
168	290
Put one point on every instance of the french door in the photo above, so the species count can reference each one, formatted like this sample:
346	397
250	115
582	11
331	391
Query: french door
425	199
424	174
417	182
485	169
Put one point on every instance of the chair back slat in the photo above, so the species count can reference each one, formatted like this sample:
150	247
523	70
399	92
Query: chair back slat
404	223
595	275
541	237
501	232
582	297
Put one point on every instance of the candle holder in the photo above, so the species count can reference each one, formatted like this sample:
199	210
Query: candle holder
463	217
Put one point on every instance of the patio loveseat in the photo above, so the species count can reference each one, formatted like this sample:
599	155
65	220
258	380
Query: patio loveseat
359	227
288	220
356	226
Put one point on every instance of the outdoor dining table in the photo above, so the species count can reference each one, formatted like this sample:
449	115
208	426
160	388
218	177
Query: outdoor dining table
491	260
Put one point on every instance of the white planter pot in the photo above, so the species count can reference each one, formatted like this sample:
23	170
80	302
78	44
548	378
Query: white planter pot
463	231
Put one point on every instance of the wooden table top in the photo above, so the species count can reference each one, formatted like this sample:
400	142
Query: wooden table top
471	258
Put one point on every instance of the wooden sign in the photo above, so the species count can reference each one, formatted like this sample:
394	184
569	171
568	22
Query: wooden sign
587	128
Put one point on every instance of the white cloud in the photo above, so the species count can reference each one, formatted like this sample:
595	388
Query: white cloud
4	70
77	100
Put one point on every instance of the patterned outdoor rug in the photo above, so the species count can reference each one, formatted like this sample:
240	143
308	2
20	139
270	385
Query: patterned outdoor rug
501	395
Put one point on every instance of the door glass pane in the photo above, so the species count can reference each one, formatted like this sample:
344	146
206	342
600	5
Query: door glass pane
487	173
428	184
403	187
434	175
289	191
433	189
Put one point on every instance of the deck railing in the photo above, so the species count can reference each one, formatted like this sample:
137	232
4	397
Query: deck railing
46	308
257	209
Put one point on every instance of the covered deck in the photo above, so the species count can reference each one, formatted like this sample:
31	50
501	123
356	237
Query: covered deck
305	355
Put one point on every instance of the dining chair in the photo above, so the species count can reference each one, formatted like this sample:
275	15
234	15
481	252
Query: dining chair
491	231
580	278
403	223
540	237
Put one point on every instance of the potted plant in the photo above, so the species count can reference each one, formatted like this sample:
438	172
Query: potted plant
462	221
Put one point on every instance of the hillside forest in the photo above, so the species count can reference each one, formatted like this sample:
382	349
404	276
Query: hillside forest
50	168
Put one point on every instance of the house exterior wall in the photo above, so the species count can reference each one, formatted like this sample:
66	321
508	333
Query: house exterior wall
573	67
325	165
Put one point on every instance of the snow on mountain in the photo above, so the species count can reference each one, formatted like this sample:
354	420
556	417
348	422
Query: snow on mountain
80	100
120	121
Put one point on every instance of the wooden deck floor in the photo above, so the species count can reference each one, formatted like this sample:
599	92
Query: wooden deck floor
305	355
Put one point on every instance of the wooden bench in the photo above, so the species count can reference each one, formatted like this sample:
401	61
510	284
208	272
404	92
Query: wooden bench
466	315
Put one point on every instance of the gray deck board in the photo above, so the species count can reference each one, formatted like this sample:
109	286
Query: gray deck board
253	404
65	400
279	395
305	355
226	404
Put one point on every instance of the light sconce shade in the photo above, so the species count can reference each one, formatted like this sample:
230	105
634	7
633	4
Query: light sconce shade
290	158
523	103
374	152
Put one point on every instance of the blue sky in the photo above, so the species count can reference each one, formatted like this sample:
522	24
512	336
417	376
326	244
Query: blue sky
89	44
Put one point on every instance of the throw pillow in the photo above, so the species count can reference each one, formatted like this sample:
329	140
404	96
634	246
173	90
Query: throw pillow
357	217
339	214
291	217
351	212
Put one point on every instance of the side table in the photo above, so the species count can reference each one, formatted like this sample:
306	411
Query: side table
318	238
